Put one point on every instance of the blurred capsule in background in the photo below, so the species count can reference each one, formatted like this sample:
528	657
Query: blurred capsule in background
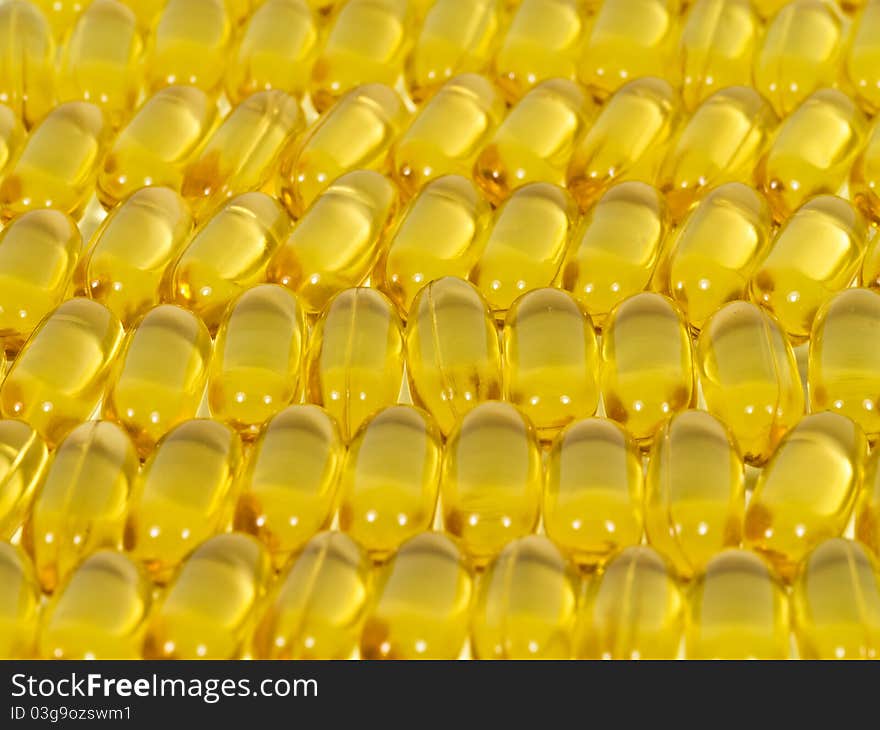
27	76
12	135
61	14
863	57
23	461
19	604
867	523
864	182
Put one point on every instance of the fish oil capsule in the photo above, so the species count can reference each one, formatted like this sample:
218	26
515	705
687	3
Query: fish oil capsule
27	75
276	50
421	607
535	141
319	605
227	254
439	234
813	151
355	358
289	484
525	248
391	478
157	142
241	155
208	611
816	253
100	613
38	253
452	352
626	142
800	53
593	489
551	360
23	461
129	253
634	609
355	133
694	491
867	522
19	604
615	248
525	605
57	166
491	485
60	375
183	494
258	357
647	370
354	213
836	603
862	57
160	376
716	250
807	490
864	183
12	135
81	505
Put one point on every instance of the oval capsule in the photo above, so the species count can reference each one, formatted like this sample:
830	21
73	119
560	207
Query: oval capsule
12	135
27	82
23	461
864	181
862	57
19	604
867	522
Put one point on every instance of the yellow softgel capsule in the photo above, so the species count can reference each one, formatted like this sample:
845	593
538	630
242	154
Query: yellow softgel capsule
526	604
817	253
452	351
258	358
99	613
749	377
209	609
183	494
19	604
421	605
12	135
57	165
38	255
647	370
634	609
318	606
23	461
535	141
836	603
27	75
867	522
355	357
812	152
229	253
627	141
551	360
61	373
355	134
492	479
80	507
289	483
716	249
525	248
391	479
864	182
863	57
160	375
354	213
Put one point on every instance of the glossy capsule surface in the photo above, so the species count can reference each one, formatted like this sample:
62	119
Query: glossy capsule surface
12	135
28	50
864	181
421	605
867	522
863	57
23	461
19	604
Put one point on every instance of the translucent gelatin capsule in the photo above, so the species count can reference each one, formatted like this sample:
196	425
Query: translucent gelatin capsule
12	135
867	522
863	57
737	609
80	507
100	612
57	165
355	358
209	609
817	253
421	605
160	375
535	141
716	250
836	603
258	357
319	604
183	494
61	373
749	377
23	461
27	74
526	604
229	253
391	479
626	142
452	351
491	485
19	604
355	134
647	371
812	152
634	609
864	183
354	213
